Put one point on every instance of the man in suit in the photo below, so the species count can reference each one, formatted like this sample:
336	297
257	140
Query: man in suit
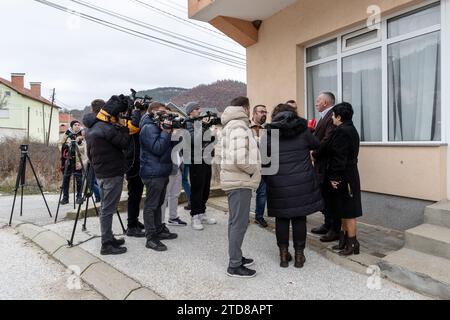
324	105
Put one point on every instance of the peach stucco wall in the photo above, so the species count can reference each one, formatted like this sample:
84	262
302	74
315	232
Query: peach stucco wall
276	74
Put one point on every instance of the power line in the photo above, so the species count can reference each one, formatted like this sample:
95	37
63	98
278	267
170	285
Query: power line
174	6
147	37
178	36
180	19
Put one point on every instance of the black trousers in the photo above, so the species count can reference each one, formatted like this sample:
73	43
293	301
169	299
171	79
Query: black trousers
156	193
200	177
331	220
298	232
135	191
78	176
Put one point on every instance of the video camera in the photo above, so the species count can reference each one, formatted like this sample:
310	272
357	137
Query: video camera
212	119
179	122
136	103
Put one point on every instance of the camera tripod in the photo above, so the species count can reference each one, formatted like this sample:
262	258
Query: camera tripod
73	154
21	181
88	195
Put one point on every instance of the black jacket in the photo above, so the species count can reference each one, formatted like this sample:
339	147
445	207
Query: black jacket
105	147
294	191
322	132
340	153
190	126
134	148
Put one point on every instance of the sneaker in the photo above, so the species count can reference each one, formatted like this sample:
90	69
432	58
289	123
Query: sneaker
165	234
135	232
110	249
155	244
64	201
206	220
241	272
98	200
196	223
79	201
140	225
116	243
177	223
261	222
247	262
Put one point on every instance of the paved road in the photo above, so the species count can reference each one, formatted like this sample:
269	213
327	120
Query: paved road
195	264
27	273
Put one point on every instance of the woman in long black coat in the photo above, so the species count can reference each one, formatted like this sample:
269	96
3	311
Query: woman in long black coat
293	193
343	189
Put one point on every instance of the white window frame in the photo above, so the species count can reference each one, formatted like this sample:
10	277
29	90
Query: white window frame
358	33
383	43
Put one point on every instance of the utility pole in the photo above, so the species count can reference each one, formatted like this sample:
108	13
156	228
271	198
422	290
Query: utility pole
51	116
43	123
28	126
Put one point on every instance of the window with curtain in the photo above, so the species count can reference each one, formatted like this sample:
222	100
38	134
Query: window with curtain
362	87
414	73
391	76
415	20
322	77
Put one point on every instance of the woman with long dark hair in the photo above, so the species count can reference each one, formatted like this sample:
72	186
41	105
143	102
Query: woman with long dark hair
293	193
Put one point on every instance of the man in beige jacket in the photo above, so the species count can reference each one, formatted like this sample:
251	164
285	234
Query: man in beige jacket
240	174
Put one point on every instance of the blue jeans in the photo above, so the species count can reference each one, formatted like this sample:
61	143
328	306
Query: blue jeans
185	182
95	187
260	200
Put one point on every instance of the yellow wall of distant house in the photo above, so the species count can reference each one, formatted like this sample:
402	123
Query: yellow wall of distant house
16	123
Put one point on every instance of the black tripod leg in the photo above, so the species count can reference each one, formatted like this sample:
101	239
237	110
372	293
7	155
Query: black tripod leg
39	185
95	207
75	225
74	188
66	168
19	176
86	214
21	200
121	223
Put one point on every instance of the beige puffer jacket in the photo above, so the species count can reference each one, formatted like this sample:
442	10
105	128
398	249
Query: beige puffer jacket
240	158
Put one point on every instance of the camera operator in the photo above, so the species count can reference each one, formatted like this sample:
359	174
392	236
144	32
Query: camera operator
199	173
156	167
135	185
72	143
107	138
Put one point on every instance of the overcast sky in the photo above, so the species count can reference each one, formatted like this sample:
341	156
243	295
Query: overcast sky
84	60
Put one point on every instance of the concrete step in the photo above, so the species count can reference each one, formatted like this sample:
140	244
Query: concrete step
421	272
438	214
429	239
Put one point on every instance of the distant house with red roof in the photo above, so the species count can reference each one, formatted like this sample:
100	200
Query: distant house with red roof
24	113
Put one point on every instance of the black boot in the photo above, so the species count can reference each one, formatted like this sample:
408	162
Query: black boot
109	249
330	236
299	258
342	241
285	257
322	230
352	247
118	242
135	232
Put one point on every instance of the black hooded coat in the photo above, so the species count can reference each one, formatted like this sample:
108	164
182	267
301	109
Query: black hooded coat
294	191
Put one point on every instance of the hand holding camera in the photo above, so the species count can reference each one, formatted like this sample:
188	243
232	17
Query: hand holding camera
167	126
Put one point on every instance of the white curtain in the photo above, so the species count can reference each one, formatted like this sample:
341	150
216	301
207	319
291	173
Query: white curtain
362	87
322	77
415	89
